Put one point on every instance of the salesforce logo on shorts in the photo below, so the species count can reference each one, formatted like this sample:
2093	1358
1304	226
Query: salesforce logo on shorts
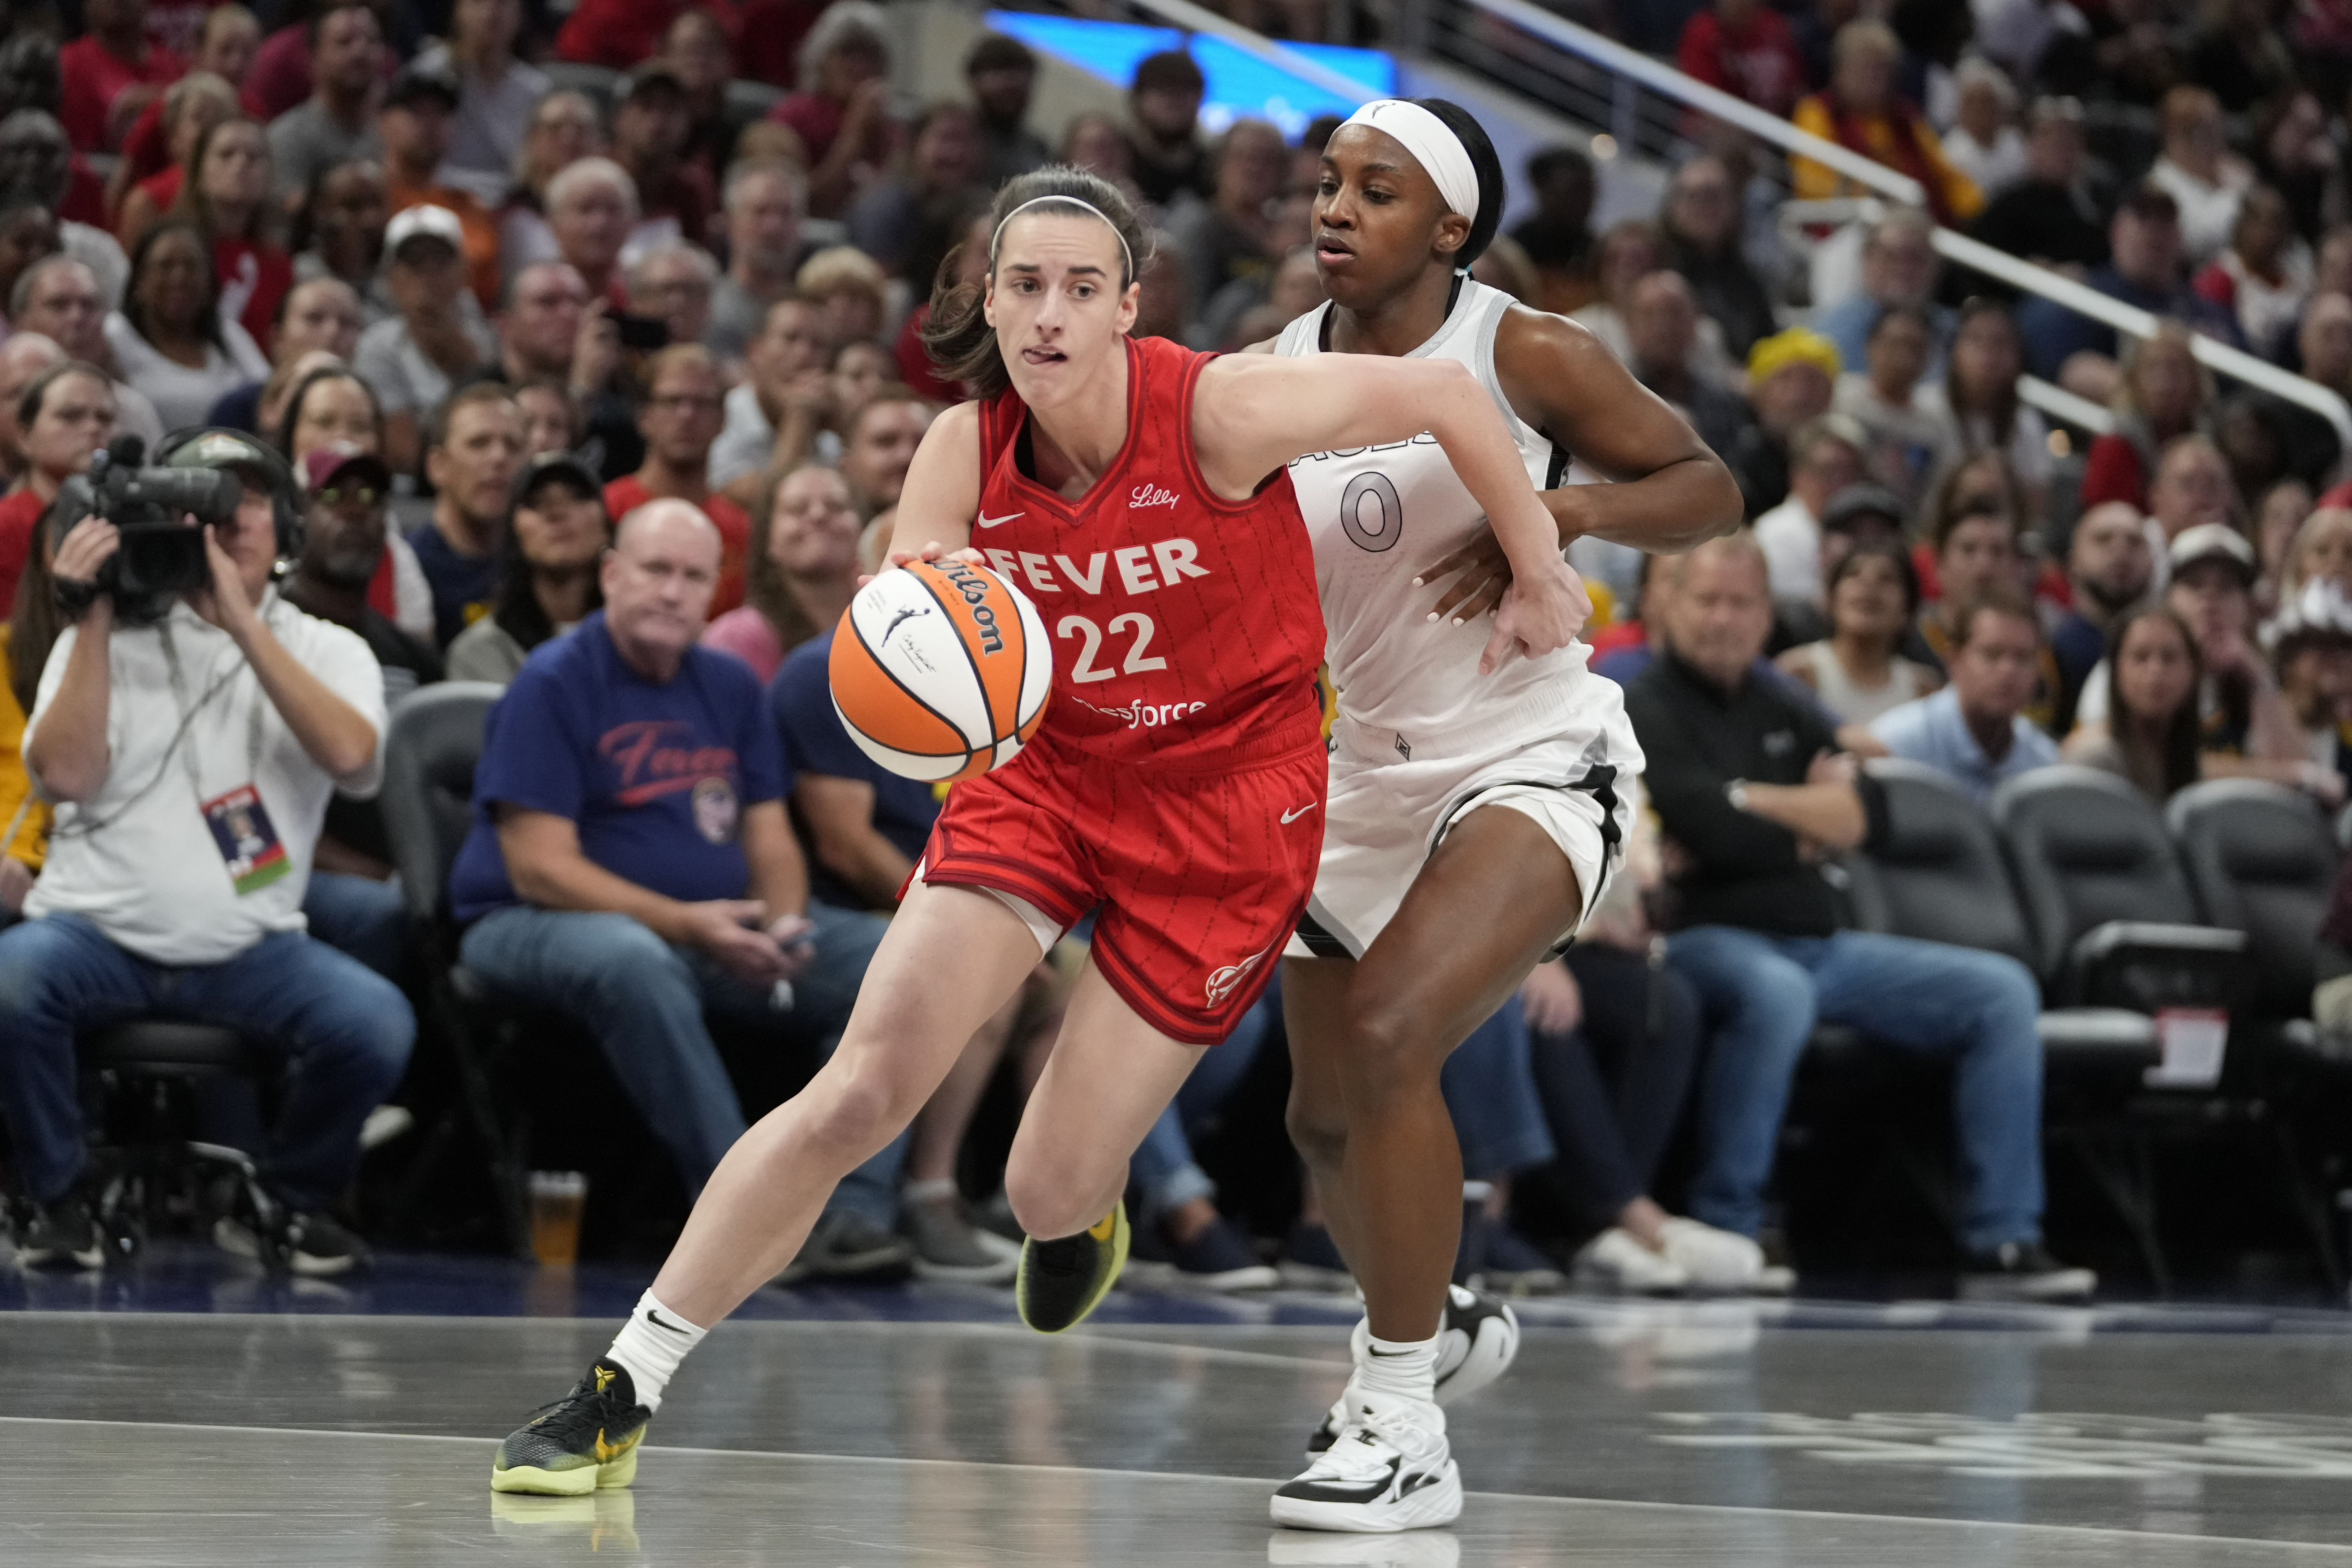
1144	715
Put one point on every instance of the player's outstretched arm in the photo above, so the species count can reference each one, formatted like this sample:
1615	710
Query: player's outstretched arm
942	492
1254	414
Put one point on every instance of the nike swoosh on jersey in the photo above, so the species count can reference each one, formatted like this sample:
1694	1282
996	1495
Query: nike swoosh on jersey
988	521
1291	817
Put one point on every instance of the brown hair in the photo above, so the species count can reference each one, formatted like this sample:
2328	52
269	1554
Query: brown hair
960	341
2176	764
1995	598
764	588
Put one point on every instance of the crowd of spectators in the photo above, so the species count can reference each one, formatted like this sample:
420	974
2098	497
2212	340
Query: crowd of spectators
603	392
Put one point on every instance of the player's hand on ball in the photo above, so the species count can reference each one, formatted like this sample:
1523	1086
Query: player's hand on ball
1538	617
934	551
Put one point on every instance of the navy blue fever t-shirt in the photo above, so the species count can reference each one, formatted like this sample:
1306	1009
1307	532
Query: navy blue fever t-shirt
816	742
657	777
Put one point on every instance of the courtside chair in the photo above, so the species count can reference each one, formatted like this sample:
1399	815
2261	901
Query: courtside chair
436	739
140	1072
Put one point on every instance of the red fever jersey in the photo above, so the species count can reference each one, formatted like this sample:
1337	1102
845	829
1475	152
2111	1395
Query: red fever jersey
1176	787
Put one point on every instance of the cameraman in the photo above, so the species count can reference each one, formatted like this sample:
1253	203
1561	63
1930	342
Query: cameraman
191	740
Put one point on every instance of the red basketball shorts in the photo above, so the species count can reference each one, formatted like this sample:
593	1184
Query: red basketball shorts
1196	879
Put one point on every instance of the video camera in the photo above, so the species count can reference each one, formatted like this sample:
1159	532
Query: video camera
160	555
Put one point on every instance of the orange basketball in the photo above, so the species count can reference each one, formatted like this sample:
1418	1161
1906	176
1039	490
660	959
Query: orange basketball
940	670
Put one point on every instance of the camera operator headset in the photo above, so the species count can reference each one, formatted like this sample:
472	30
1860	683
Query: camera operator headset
148	539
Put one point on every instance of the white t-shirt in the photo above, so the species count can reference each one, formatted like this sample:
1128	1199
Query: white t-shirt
139	860
1790	537
182	396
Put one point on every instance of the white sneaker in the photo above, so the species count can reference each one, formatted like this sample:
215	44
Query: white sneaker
1614	1262
1476	1344
1392	1469
1414	1549
1714	1259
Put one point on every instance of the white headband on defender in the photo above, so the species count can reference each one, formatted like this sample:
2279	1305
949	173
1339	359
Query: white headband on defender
1067	201
1433	145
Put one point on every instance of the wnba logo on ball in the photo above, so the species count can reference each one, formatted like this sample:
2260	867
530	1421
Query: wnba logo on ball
1223	982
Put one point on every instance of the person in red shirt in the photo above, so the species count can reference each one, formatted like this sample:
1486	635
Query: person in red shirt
842	112
414	129
111	74
73	417
195	104
226	194
225	50
680	419
651	125
1745	48
619	34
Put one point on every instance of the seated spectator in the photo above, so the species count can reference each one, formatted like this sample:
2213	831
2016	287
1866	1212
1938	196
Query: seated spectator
2320	551
2146	268
760	215
1747	782
111	73
2263	276
2152	735
2311	651
28	233
1699	236
281	78
862	372
652	123
1899	267
776	419
67	415
414	125
23	357
1975	731
320	317
1745	48
1791	377
34	155
634	911
1001	74
169	337
548	578
330	406
1163	110
877	444
191	108
672	283
2110	569
697	51
592	207
1093	141
1825	458
1976	404
1858	671
223	56
57	298
438	340
336	124
137	911
2197	170
352	904
564	128
1557	236
1858	515
842	112
473	446
1886	400
339	232
496	94
2279	516
1983	143
1661	333
804	572
550	420
547	330
1862	112
679	420
2048	214
226	196
940	166
2191	488
1628	253
1231	236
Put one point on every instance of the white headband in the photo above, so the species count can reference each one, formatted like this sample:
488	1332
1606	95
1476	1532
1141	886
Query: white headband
1433	145
1067	201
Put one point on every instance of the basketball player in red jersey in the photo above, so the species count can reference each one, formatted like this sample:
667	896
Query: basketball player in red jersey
1138	493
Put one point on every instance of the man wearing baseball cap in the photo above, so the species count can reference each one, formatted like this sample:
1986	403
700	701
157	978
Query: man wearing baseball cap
414	125
439	339
559	535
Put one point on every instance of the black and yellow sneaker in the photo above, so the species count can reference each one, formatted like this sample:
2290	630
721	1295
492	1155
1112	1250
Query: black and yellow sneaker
584	1440
1061	1281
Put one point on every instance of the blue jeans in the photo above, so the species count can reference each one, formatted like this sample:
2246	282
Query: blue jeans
1163	1166
644	1000
1489	1084
1762	995
361	916
345	1034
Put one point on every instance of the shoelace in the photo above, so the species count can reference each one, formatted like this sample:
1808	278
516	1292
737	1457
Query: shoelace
1349	1457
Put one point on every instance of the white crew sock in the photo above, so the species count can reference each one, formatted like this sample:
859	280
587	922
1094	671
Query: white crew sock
1401	1369
930	1192
652	1344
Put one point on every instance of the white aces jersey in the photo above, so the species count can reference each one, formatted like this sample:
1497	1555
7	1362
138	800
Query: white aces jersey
1382	516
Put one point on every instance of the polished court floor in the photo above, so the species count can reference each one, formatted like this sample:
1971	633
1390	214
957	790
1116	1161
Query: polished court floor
259	1423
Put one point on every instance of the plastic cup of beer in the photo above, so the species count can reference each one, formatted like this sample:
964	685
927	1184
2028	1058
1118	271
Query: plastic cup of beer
556	1199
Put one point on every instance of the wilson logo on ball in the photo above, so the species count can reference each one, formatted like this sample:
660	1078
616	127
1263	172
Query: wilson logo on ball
940	670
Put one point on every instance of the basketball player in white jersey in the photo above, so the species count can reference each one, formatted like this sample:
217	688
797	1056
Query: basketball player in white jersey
1477	809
